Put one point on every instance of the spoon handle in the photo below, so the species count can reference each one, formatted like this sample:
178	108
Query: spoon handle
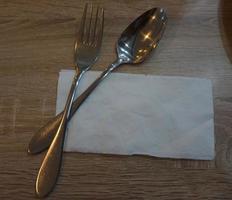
43	138
51	164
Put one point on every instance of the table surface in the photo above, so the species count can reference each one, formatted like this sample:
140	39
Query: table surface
36	42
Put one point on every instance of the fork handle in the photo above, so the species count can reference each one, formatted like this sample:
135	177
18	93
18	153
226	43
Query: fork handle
51	164
43	138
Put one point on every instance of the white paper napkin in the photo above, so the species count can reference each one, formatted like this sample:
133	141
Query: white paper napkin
141	114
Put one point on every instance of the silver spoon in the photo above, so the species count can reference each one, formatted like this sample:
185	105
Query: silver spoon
134	45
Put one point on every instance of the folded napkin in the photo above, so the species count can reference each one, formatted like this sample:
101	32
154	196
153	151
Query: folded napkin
141	114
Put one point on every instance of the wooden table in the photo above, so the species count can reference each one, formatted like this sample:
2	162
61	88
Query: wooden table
36	42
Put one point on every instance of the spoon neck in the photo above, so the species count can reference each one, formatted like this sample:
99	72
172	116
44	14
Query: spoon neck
115	64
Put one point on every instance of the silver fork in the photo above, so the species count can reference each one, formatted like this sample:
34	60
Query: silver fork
86	52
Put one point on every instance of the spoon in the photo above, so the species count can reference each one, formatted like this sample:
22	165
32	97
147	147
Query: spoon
134	45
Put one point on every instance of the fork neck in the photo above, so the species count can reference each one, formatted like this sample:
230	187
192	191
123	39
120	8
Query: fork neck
76	79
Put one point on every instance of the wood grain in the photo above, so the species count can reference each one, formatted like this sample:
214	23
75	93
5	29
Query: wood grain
37	41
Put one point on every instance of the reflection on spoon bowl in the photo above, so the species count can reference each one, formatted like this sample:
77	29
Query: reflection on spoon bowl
143	35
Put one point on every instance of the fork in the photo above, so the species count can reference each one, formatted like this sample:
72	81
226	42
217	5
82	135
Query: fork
86	52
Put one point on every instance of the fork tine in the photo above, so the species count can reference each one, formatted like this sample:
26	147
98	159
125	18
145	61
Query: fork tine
88	31
99	34
82	26
95	26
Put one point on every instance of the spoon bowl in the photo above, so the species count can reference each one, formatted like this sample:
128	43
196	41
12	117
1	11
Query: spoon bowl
141	36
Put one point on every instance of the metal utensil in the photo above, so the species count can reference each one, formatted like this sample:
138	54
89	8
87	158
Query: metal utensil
134	45
86	52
